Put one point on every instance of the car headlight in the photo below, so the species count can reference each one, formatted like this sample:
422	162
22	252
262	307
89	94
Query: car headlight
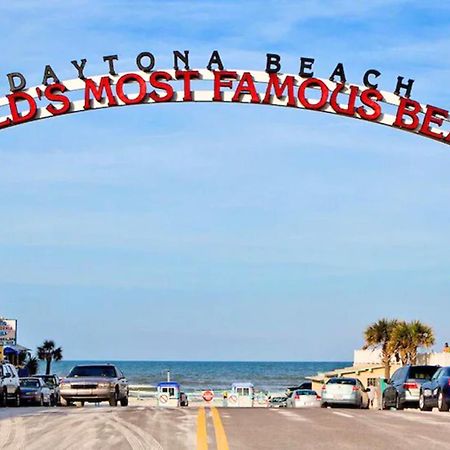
104	385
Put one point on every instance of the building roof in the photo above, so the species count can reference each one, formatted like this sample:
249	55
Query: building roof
344	371
168	384
14	349
242	385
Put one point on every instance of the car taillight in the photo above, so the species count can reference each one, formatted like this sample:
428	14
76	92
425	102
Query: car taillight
318	397
324	387
297	397
355	388
410	386
448	381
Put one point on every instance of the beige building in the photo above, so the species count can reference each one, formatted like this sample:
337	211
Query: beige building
367	367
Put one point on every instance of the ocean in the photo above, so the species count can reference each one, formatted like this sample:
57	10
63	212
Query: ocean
198	375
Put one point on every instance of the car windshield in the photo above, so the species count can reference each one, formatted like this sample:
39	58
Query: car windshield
93	371
49	380
422	372
306	392
29	383
349	381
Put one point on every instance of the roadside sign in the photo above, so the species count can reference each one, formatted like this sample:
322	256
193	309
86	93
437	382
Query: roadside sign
8	332
208	395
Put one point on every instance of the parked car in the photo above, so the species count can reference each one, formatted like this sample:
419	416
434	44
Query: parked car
184	401
340	391
403	389
53	382
304	385
436	392
303	398
34	390
9	385
277	402
95	383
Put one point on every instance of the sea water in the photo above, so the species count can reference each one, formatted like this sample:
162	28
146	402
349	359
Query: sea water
198	375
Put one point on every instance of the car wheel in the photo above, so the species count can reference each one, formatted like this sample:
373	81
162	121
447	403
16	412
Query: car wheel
422	405
398	404
442	404
113	399
3	398
17	399
124	401
323	405
384	405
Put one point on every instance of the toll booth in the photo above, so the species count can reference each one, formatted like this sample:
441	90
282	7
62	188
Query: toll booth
242	395
168	394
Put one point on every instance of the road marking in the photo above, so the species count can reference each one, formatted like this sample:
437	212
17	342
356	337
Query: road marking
202	438
221	438
343	414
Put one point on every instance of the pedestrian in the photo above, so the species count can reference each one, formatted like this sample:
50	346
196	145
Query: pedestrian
446	348
371	395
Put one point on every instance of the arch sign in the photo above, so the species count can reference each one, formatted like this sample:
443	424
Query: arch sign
216	84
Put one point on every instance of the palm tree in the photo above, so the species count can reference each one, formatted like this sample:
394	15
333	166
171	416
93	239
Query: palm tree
379	335
401	342
421	335
407	337
32	364
48	352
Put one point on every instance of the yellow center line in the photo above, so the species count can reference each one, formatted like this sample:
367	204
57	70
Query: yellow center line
202	438
221	438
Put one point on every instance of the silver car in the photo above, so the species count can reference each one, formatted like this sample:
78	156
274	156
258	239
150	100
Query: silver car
344	392
94	383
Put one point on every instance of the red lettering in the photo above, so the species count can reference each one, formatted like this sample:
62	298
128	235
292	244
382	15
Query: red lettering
220	82
274	82
98	92
430	118
350	109
5	123
404	109
246	86
157	84
370	98
129	78
51	93
21	117
310	83
187	76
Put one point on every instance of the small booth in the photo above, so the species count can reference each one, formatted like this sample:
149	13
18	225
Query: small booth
168	394
241	395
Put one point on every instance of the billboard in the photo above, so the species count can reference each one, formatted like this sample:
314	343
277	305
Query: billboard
8	332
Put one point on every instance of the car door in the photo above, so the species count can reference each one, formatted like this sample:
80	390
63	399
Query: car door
398	383
389	391
123	384
8	381
434	385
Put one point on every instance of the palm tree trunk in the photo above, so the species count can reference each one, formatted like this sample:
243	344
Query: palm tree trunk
49	366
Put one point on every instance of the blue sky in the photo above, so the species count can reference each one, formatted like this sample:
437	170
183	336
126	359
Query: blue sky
208	231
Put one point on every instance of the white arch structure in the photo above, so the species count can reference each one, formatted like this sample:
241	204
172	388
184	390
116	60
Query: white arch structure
259	77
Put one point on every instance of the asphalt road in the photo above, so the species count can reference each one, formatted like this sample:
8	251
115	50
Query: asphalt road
139	427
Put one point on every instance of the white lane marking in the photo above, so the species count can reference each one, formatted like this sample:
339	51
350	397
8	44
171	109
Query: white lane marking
343	414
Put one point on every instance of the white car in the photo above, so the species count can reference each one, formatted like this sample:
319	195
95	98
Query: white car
344	391
303	398
9	385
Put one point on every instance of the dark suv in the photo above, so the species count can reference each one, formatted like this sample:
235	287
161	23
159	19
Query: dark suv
403	389
94	383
